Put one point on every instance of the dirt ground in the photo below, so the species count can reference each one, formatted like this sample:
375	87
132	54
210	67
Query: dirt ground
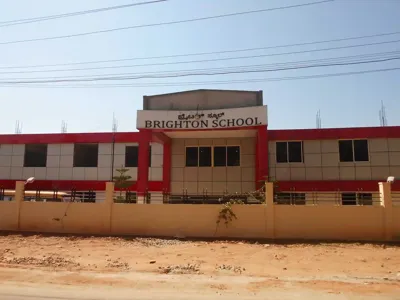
220	266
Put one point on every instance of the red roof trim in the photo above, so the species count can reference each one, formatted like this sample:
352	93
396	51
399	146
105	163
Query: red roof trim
273	135
334	133
70	138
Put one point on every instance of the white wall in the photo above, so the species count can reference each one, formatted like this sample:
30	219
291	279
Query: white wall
321	162
60	159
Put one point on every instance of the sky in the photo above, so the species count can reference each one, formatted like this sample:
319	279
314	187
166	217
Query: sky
344	101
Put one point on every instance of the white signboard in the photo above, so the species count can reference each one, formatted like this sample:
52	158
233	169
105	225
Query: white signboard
202	119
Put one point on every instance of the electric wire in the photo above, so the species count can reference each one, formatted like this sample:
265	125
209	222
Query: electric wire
78	13
292	64
210	53
203	60
226	72
169	84
163	23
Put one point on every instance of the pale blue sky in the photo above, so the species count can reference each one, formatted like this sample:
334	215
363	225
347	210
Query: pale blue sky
344	101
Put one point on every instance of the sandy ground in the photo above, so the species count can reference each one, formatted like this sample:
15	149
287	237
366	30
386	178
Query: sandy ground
362	271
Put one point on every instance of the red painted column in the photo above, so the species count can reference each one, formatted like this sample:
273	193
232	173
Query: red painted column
261	155
143	162
167	167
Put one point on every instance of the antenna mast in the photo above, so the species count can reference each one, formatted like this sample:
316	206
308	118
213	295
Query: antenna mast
18	127
318	119
382	115
114	124
63	127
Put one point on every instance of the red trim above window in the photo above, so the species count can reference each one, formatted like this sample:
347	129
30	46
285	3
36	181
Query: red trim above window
334	133
329	186
79	185
70	138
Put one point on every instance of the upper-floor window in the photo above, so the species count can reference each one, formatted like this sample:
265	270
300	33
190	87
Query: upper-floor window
132	156
86	155
353	150
218	156
35	155
289	152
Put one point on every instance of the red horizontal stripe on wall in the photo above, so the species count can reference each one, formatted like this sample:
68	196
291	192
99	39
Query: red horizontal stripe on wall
70	138
79	185
334	133
329	186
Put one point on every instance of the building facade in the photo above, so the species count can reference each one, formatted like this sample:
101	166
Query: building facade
209	142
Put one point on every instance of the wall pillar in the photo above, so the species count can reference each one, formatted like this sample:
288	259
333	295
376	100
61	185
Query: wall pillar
167	167
109	202
19	199
143	166
385	191
109	193
270	210
261	156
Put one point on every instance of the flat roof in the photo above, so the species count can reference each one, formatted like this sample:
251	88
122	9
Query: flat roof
202	90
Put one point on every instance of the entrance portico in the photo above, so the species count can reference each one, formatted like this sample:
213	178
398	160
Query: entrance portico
212	149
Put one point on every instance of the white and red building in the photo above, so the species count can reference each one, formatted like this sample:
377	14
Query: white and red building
208	142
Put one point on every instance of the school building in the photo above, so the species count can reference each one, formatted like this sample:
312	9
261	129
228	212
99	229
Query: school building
202	144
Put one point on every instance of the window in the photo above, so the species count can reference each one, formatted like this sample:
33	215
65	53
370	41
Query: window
221	155
349	199
131	197
227	156
364	199
35	155
192	156
132	156
356	199
86	155
233	156
89	197
353	150
150	156
198	157
204	156
290	198
361	150
291	152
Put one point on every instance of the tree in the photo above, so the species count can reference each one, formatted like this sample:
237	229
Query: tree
122	182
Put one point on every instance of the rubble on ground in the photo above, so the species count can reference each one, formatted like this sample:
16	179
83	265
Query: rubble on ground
154	242
117	264
230	268
180	269
45	261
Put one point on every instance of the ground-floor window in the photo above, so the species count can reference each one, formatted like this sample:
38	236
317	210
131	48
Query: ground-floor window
131	197
89	197
290	198
356	199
